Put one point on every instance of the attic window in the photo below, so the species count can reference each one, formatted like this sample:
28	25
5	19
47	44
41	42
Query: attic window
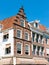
22	23
36	24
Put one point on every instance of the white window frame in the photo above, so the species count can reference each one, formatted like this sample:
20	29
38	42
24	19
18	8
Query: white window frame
21	47
5	50
28	48
6	37
20	33
24	22
28	36
35	25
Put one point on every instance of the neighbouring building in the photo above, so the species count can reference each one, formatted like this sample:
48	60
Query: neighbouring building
23	42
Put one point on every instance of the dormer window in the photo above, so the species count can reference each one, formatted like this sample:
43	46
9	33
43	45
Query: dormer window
36	24
22	23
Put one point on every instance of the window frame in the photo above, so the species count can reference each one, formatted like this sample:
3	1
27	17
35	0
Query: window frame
9	50
23	23
21	47
36	25
28	36
7	37
28	49
33	36
20	33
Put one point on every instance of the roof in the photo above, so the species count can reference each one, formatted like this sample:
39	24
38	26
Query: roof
42	27
7	23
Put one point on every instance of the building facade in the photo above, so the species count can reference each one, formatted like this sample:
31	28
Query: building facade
23	42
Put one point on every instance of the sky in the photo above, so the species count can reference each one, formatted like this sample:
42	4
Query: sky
34	9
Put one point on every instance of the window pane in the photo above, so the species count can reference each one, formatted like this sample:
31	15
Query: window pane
37	38
18	33
33	35
5	37
22	22
19	48
36	24
26	36
8	50
34	48
26	49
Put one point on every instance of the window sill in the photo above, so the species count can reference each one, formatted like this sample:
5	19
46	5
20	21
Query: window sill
19	37
19	54
8	54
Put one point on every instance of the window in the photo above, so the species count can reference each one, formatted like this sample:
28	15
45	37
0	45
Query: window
38	48
37	38
34	48
33	36
5	37
26	49
19	35
0	27
41	38
8	50
18	48
26	36
42	49
22	23
36	24
46	40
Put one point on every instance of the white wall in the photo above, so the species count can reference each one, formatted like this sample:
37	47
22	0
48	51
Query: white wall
3	43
